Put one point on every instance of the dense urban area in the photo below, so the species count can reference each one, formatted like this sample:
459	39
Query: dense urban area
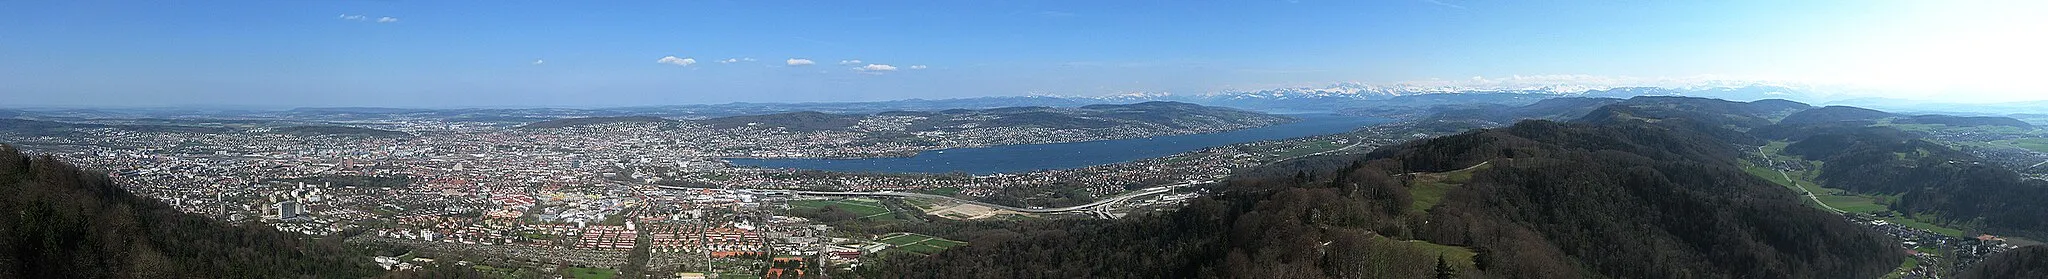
587	195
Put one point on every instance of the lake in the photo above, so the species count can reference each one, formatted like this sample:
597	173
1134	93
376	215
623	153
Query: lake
1032	157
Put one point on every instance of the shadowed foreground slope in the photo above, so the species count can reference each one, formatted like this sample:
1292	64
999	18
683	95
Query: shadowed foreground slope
57	221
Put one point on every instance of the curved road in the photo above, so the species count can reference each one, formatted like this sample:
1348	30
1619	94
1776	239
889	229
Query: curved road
1795	183
1118	198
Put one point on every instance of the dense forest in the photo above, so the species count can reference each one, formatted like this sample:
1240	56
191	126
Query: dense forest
1540	199
2025	262
61	222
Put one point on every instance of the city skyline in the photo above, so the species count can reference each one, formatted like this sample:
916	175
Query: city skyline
408	54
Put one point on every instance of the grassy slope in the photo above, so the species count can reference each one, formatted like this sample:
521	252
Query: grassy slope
1428	189
1460	257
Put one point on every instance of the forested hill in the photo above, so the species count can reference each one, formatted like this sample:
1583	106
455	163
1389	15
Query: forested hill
1540	199
2025	262
1927	179
1835	114
57	221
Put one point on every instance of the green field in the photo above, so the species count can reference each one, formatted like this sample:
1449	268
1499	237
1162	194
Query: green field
2035	144
1919	224
1428	189
946	191
918	243
1460	257
859	207
1860	204
498	272
592	273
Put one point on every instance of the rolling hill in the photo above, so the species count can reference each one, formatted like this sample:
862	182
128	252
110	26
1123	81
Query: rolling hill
587	121
1633	190
308	131
28	127
794	121
1835	114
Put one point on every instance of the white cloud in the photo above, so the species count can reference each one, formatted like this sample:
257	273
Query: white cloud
735	60
800	62
538	61
917	67
878	68
677	61
351	17
849	62
1571	83
1444	4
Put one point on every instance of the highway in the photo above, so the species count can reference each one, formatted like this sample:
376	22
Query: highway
1115	199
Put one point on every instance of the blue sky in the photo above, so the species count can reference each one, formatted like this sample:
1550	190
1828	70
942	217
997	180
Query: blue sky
577	54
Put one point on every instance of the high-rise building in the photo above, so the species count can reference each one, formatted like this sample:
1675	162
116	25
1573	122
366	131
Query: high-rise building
290	209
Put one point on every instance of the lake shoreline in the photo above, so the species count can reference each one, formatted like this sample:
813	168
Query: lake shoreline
1070	155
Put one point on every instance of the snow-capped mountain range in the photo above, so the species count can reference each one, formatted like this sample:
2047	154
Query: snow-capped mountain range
1364	91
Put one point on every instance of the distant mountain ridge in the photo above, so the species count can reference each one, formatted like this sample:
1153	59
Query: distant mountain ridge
53	128
1156	114
307	131
587	121
794	121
